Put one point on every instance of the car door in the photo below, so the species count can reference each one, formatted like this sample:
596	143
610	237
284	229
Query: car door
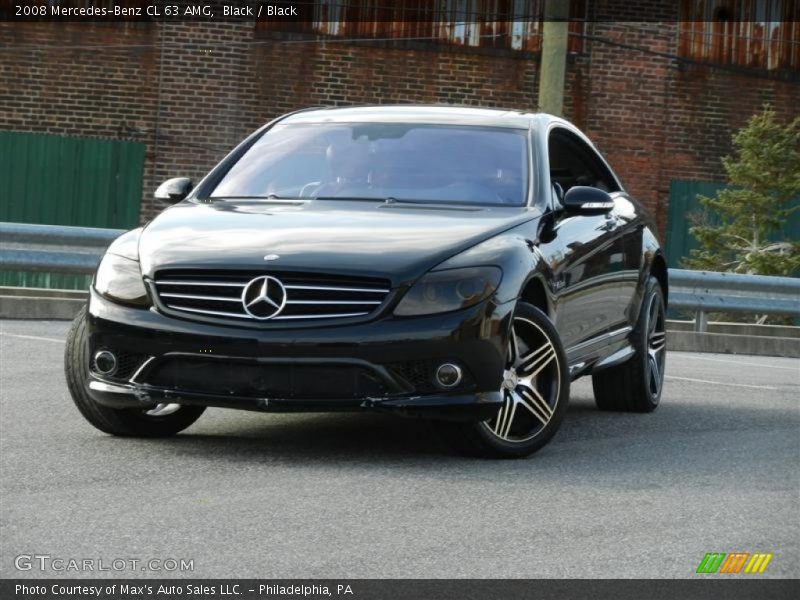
595	281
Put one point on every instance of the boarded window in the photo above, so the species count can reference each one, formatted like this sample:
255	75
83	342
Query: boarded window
763	34
508	24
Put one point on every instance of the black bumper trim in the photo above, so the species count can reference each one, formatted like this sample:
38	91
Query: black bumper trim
458	407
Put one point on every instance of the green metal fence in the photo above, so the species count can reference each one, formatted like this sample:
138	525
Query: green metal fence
683	202
59	180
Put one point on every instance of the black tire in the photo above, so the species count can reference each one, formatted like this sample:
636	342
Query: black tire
636	385
527	431
122	422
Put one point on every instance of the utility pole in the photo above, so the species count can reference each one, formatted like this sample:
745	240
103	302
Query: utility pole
554	56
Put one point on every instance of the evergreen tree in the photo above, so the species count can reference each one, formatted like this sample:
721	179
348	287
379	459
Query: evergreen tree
764	179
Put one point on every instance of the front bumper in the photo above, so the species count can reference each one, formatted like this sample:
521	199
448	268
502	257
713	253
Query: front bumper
380	365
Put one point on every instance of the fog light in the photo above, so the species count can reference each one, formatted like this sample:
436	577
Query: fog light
448	375
105	362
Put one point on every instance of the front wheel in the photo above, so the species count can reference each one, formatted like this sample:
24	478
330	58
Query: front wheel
535	390
155	421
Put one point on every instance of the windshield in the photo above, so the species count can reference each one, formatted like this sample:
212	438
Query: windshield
403	162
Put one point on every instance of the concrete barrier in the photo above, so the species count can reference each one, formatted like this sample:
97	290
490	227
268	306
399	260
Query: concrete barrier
723	343
739	329
40	303
735	338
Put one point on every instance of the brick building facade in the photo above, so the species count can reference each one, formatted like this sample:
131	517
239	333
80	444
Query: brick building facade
191	90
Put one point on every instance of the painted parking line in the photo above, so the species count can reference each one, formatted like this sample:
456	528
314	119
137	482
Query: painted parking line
743	385
748	364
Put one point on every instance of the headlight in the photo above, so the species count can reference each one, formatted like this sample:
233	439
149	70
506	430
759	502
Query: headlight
120	279
443	291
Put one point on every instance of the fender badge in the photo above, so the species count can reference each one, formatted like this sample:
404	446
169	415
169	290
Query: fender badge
272	257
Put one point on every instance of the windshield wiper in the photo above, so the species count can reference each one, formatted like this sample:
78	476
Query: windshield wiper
350	198
385	200
262	198
393	200
432	203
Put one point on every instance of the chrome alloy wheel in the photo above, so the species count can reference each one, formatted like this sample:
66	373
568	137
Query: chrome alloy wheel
531	384
656	345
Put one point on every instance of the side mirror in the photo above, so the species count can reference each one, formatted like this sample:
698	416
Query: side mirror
174	190
588	200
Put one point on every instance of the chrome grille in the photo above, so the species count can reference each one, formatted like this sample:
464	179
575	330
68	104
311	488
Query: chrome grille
309	296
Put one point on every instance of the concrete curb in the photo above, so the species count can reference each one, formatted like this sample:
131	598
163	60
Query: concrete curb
40	303
735	338
38	307
725	343
739	329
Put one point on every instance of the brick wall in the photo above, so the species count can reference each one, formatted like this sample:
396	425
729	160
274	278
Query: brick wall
214	83
657	119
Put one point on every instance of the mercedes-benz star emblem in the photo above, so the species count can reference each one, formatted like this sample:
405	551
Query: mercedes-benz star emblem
264	297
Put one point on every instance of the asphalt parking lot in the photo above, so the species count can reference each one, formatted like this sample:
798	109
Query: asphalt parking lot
716	468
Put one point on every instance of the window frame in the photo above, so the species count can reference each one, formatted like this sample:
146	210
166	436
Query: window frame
590	151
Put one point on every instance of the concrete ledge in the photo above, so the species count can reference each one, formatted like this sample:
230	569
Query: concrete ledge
36	306
724	343
739	329
42	292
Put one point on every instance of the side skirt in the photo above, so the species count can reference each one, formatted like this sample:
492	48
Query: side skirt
606	350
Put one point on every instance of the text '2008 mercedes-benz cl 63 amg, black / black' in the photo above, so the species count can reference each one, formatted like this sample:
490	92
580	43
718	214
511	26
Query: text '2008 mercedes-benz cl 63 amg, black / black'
458	264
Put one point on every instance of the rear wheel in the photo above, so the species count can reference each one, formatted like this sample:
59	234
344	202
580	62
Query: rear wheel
635	385
535	391
153	421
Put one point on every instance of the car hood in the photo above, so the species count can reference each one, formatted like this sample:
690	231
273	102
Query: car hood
397	241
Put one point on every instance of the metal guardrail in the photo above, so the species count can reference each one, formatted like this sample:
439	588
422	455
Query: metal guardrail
53	248
62	249
707	291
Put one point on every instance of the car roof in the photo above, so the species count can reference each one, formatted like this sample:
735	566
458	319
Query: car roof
413	113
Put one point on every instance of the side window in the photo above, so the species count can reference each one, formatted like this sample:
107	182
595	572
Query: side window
572	162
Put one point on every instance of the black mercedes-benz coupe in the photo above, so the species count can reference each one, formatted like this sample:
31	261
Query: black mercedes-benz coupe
457	264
